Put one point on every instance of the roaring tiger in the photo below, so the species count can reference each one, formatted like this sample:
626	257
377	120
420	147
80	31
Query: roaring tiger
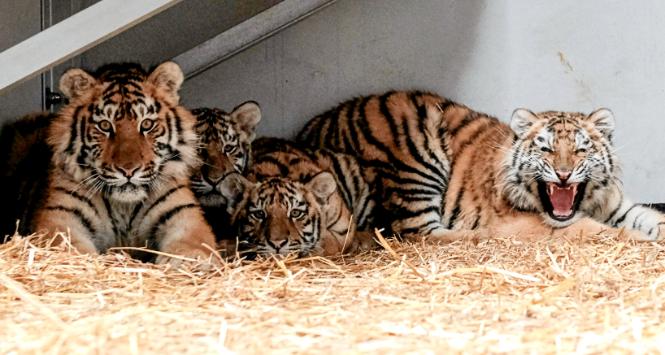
300	201
443	167
123	150
224	146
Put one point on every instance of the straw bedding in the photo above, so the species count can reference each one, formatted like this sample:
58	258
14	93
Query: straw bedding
588	294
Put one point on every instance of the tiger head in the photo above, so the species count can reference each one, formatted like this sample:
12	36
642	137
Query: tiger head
123	132
560	162
224	147
278	215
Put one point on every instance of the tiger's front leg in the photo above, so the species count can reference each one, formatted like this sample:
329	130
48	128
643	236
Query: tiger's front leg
59	225
416	211
530	228
188	236
650	223
66	214
364	241
180	229
351	243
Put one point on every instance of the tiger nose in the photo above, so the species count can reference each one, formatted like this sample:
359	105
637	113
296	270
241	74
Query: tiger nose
563	175
279	244
128	171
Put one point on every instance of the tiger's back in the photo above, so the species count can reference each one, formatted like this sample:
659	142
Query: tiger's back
409	144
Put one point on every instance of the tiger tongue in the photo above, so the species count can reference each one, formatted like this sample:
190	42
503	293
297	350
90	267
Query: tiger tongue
562	199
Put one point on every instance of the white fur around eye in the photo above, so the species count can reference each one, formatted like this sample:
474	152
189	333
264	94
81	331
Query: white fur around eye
582	140
544	140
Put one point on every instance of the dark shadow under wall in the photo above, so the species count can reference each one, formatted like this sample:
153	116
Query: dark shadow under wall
24	164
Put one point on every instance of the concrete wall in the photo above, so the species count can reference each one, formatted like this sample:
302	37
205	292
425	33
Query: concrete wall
18	21
493	55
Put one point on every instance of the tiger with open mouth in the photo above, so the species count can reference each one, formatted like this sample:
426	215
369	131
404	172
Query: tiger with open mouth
443	167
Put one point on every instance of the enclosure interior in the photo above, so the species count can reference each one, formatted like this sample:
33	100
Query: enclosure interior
492	55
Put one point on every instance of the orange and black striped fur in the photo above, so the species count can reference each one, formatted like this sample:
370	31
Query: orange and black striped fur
25	158
224	147
123	153
444	167
301	201
399	137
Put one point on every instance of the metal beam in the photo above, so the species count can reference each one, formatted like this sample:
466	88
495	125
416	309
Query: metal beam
246	34
73	36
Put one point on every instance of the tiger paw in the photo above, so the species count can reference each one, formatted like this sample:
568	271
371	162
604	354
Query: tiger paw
655	233
202	259
449	236
651	224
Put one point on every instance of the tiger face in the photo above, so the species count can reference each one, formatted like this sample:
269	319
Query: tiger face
224	147
122	132
559	162
278	215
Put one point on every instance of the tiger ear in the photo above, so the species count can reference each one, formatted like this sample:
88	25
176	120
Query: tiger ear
603	120
233	187
522	120
247	115
76	82
168	78
322	185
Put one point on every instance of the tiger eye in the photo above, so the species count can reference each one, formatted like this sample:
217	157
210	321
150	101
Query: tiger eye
147	125
258	214
296	214
105	126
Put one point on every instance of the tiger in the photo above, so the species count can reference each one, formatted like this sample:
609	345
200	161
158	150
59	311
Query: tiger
224	147
303	202
24	160
445	168
123	149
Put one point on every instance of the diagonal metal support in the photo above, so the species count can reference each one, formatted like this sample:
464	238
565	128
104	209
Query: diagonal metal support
73	36
247	34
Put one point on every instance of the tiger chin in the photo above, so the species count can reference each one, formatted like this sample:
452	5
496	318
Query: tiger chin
123	149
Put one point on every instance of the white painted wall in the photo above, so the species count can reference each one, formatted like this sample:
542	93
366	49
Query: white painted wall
493	55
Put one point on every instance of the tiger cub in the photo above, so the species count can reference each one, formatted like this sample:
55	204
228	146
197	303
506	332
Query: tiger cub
24	160
445	167
300	201
123	150
224	146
